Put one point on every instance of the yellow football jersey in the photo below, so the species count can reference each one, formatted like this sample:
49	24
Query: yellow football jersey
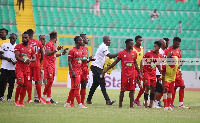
170	74
139	55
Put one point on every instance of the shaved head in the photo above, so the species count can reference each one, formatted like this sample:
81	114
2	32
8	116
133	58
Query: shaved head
163	43
107	40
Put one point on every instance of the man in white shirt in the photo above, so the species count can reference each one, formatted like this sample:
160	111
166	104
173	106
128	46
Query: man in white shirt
8	66
97	69
159	88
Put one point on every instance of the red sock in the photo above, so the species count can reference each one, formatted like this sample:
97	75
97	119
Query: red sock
71	95
140	93
18	89
83	93
165	103
38	88
181	95
22	94
161	95
48	86
173	96
29	90
77	95
169	101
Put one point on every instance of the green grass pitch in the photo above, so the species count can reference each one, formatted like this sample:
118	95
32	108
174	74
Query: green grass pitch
98	111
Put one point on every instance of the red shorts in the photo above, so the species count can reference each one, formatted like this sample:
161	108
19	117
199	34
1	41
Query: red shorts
22	76
75	82
49	73
179	82
127	84
136	75
35	73
85	74
149	80
169	86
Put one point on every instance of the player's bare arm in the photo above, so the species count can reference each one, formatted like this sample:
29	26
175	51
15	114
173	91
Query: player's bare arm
112	55
33	58
42	53
18	58
111	66
70	68
141	68
163	80
136	66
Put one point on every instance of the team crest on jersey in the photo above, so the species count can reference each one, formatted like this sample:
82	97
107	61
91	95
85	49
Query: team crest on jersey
139	54
173	69
77	85
30	50
124	87
20	79
145	81
50	74
133	55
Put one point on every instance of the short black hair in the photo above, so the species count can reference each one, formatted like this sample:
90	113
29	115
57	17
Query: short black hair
166	39
137	37
76	38
82	35
30	31
158	43
53	34
177	39
128	40
25	32
5	30
13	34
41	35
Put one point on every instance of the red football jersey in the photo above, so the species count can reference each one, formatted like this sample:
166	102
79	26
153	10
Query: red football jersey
127	63
151	69
76	56
84	56
49	60
25	53
37	45
176	52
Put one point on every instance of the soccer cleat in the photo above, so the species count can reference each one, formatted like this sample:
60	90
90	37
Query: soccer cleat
36	101
156	106
72	105
1	98
52	101
4	99
159	104
89	102
67	105
182	106
173	105
137	102
29	101
170	108
8	100
42	100
22	104
133	105
17	103
111	102
81	106
48	102
166	108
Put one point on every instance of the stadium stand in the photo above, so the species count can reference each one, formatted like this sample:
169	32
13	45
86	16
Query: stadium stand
117	18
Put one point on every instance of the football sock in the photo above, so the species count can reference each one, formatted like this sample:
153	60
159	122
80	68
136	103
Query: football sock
83	93
71	96
181	95
76	94
18	89
173	96
169	101
140	93
165	103
180	103
48	99
22	94
29	90
38	88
